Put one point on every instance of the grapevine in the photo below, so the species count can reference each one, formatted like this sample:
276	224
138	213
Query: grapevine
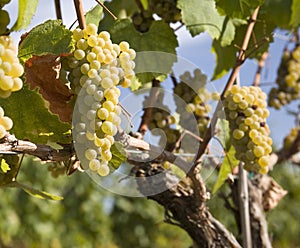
288	80
95	70
245	109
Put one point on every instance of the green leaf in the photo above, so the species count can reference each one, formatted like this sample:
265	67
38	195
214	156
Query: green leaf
201	16
32	120
35	192
27	9
224	133
225	59
156	49
94	15
121	9
118	155
226	168
4	166
226	55
295	18
49	37
278	12
237	8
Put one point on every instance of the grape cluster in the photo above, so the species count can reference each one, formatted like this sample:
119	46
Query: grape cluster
245	109
10	67
288	80
291	138
142	20
192	101
166	9
95	70
161	121
4	17
5	123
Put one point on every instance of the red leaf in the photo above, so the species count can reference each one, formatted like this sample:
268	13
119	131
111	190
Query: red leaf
43	72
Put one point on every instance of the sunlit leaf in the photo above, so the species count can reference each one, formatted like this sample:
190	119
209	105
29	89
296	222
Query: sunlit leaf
27	9
227	166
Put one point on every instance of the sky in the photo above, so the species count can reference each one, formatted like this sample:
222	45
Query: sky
196	50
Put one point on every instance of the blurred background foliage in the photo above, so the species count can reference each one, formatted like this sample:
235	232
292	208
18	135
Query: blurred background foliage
89	216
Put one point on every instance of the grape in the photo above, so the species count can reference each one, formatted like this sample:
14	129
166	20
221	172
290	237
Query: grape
142	20
94	72
103	170
10	67
291	138
248	129
5	123
288	80
196	99
166	9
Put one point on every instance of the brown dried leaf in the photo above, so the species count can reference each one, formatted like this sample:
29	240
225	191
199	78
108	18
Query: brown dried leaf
43	72
272	192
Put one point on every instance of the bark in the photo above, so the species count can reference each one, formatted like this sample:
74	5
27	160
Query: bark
183	208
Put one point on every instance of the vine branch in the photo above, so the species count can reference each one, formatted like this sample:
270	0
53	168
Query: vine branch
80	13
58	9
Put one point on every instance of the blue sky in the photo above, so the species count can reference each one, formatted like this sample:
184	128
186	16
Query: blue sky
196	50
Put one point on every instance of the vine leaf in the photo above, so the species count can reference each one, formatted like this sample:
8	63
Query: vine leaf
49	37
94	15
121	9
227	166
42	72
201	16
278	12
27	9
225	58
237	8
118	155
32	119
258	44
35	192
156	49
223	133
295	18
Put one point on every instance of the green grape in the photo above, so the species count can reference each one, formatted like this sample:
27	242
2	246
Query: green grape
10	67
288	80
103	169
166	9
249	131
94	72
196	99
